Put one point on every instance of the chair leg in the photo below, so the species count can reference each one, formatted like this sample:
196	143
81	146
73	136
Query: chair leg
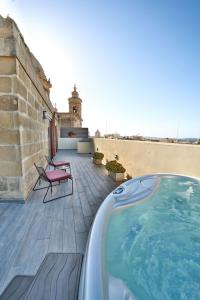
44	187
46	194
65	195
38	180
72	186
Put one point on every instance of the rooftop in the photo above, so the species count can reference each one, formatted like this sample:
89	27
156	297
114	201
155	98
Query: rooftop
29	231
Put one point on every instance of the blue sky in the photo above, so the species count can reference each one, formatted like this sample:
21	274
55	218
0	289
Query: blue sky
136	62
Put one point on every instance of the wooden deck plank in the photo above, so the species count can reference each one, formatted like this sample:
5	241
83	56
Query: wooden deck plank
57	278
88	222
56	239
45	229
87	212
81	240
17	288
79	219
29	231
69	239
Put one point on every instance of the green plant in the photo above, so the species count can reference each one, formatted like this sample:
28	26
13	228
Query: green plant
98	155
117	157
71	134
115	167
128	177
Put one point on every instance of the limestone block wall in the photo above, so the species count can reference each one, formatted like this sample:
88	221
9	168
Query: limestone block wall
24	95
140	158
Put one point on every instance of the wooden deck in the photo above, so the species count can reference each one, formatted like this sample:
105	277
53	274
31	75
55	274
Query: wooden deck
57	278
29	231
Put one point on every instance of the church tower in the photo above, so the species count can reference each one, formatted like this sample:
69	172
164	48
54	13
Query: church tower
75	107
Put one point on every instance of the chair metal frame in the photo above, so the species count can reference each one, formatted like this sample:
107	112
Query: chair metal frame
44	176
52	163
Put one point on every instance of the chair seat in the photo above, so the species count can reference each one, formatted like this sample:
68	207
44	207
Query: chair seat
59	163
57	175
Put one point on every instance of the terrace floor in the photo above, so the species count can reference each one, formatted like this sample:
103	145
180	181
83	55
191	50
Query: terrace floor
29	231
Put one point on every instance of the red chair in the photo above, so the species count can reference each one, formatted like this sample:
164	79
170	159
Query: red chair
51	177
58	164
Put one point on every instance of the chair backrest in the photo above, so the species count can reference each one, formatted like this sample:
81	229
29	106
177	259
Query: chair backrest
49	160
41	172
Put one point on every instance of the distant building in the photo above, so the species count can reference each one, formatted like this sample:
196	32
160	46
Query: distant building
137	137
97	134
168	140
73	118
70	123
112	136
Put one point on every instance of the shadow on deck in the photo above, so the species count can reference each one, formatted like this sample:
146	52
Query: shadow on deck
29	231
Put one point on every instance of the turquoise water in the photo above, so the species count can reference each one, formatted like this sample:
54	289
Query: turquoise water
154	245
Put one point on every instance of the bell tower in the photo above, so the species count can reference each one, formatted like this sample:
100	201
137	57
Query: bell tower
75	108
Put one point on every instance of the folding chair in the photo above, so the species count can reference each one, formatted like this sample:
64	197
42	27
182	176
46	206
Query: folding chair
58	164
51	177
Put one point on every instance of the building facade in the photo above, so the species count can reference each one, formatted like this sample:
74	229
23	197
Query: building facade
73	118
27	116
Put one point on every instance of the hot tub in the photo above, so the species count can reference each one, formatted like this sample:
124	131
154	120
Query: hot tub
145	242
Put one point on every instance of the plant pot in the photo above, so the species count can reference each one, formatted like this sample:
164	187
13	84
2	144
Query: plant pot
97	161
117	176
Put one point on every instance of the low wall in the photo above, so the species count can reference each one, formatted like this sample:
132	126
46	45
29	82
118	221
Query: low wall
68	143
84	147
140	158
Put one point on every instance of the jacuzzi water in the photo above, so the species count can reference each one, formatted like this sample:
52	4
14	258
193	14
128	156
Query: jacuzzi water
152	247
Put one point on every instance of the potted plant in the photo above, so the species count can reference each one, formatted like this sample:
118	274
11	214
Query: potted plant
116	170
71	134
97	158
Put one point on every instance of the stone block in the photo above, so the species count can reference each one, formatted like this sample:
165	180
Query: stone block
33	90
5	27
27	137
37	106
28	185
32	112
8	103
30	176
7	46
13	184
9	153
22	106
24	121
29	162
19	88
5	85
6	119
23	76
9	137
3	184
11	168
7	65
29	150
34	125
16	120
40	116
11	197
31	99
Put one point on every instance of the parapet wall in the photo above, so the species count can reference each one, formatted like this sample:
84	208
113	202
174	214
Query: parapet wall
24	95
140	158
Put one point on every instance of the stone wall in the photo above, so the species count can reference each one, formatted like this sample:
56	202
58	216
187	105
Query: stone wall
140	158
24	95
